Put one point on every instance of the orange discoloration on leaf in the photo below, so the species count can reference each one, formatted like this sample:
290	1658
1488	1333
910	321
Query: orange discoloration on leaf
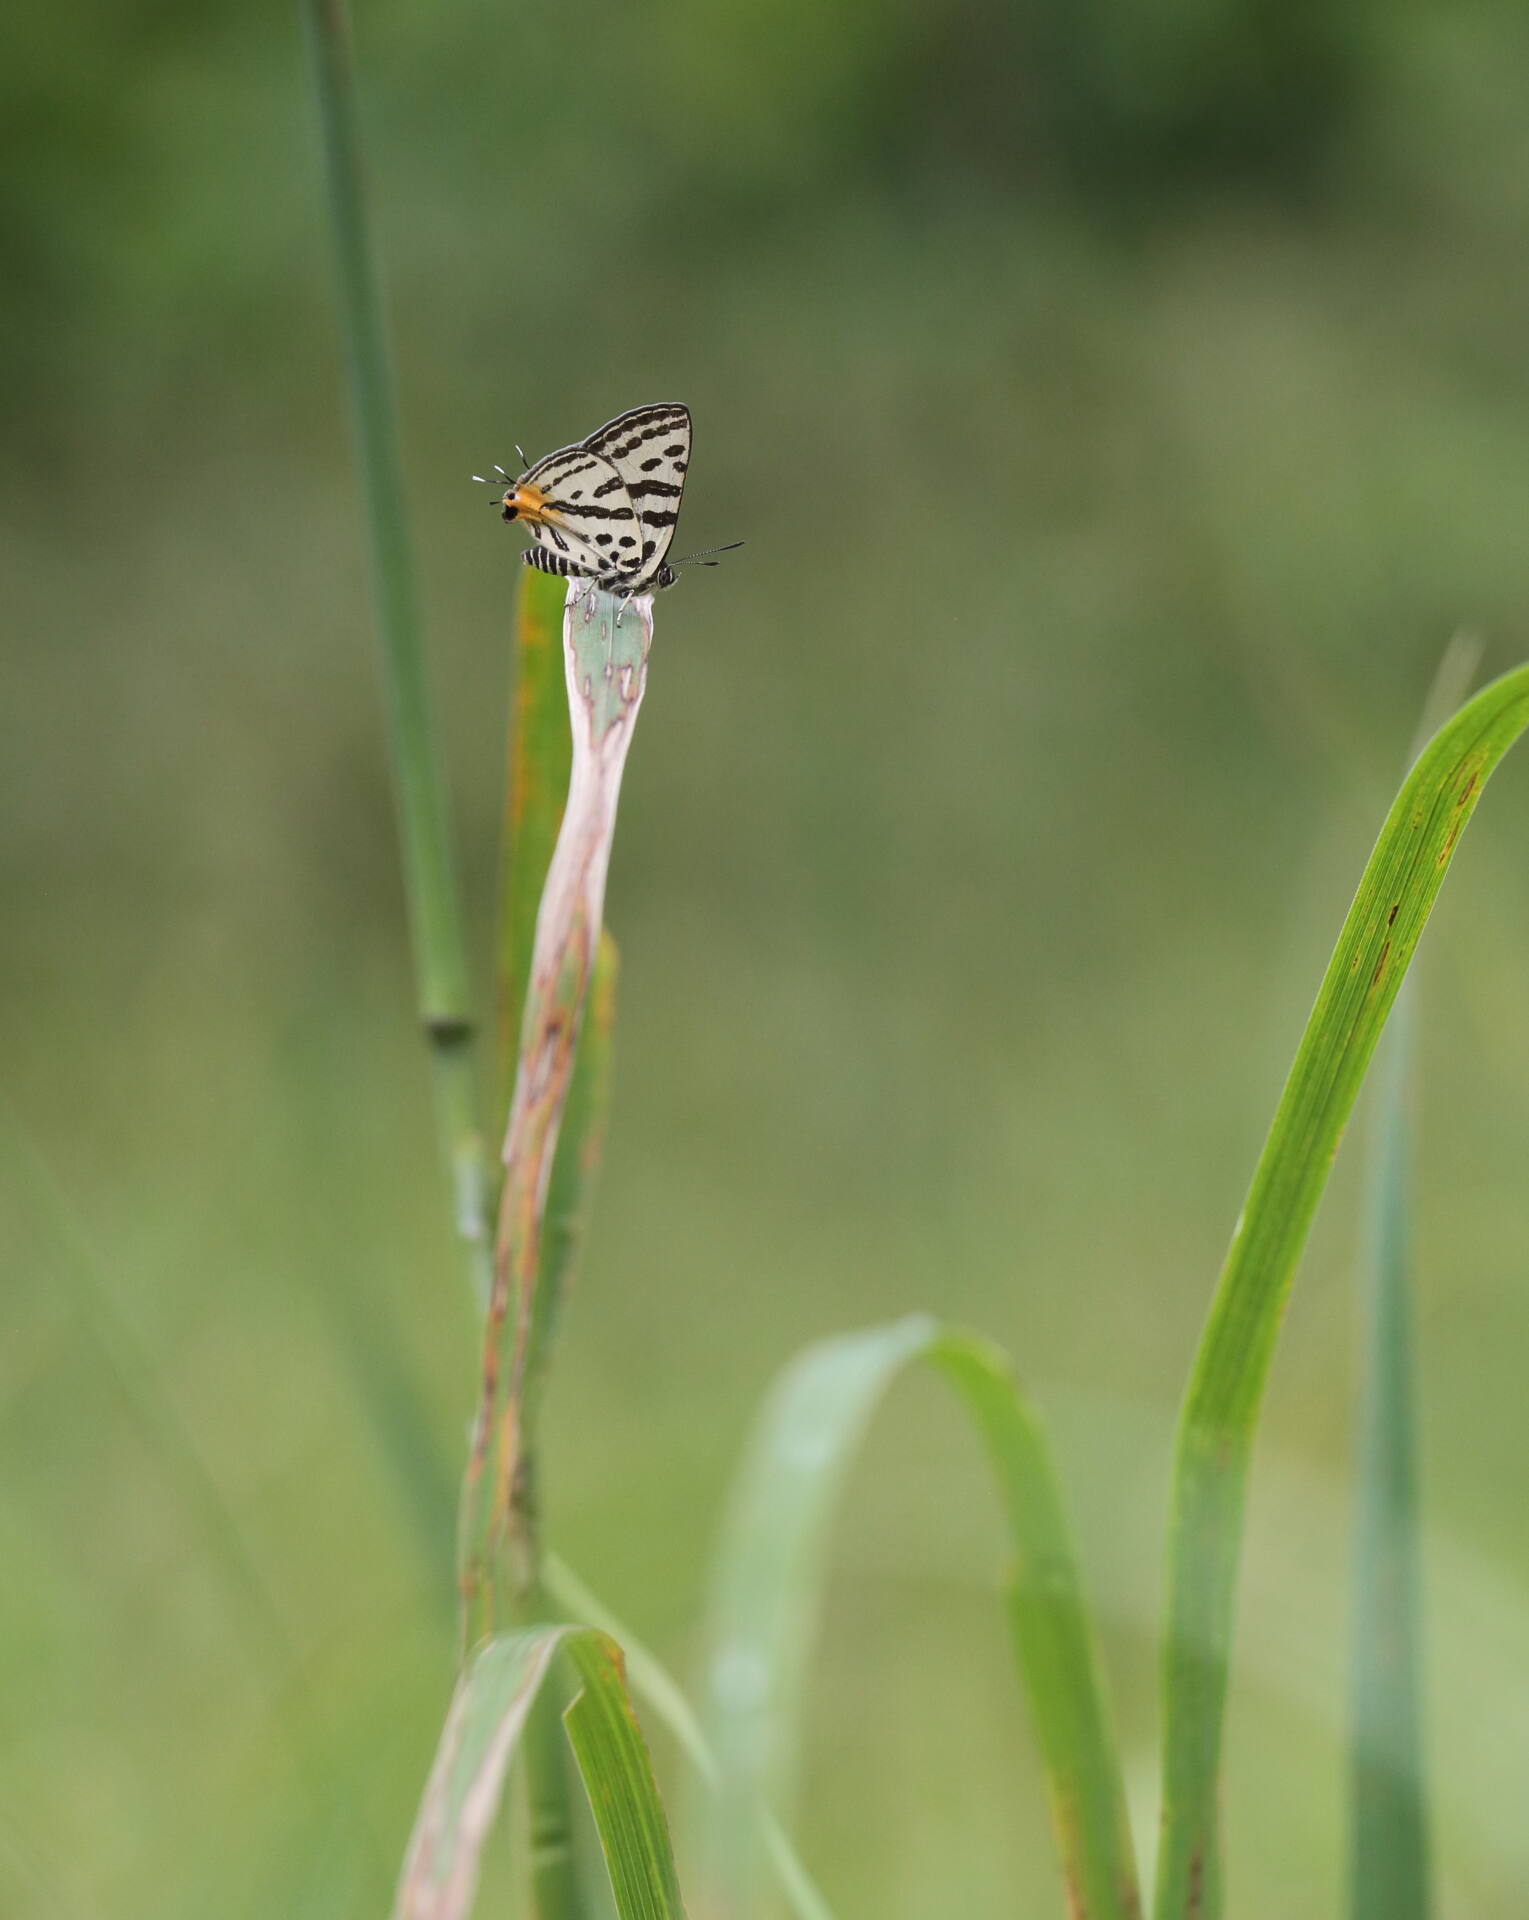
1196	1904
537	757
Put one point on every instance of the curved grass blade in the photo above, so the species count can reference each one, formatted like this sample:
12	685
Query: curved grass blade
1226	1385
768	1581
488	1714
618	1777
653	1683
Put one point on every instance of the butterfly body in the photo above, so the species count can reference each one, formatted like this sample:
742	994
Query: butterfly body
605	508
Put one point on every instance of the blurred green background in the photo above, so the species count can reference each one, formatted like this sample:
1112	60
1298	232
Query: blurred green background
1122	405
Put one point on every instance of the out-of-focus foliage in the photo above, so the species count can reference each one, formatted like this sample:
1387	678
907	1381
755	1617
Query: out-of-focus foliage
1161	370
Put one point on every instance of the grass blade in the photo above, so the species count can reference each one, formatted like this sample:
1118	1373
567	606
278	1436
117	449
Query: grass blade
1388	1840
1053	1639
575	1165
488	1714
653	1683
768	1581
1388	1865
537	761
1226	1385
555	1873
618	1777
430	888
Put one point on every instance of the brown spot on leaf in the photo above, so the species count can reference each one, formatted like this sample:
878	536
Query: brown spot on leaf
1391	916
1467	790
1380	964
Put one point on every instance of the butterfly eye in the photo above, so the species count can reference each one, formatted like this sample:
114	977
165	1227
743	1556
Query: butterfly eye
511	511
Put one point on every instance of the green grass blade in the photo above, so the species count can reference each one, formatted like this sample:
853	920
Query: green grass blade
618	1777
1388	1865
1226	1385
650	1678
430	887
488	1716
1388	1838
1053	1639
767	1587
538	754
653	1683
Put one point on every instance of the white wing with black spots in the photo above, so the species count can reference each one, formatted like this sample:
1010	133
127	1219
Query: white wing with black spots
605	509
650	448
576	506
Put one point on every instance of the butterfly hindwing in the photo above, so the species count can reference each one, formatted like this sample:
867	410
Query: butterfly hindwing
649	447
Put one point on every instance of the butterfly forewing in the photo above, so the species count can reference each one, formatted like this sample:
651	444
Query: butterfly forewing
649	447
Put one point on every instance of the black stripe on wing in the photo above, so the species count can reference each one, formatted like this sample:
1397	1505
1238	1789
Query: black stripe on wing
650	449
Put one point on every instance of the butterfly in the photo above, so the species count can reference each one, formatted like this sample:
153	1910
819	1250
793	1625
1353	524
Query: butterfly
604	510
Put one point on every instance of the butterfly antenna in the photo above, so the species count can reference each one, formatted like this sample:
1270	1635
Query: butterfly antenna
703	559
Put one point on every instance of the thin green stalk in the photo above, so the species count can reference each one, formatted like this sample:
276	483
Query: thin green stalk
1220	1412
428	870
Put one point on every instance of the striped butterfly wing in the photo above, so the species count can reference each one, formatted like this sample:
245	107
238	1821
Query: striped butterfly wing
650	449
575	504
